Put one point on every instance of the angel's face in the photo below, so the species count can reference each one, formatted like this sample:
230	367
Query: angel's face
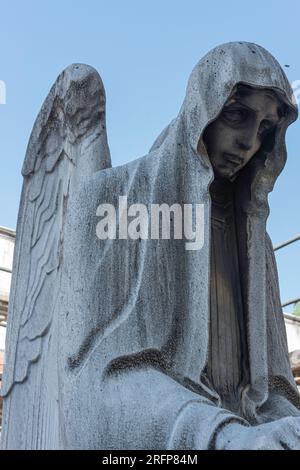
248	117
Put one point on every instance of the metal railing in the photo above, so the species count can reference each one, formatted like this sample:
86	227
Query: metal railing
288	242
5	270
290	302
278	247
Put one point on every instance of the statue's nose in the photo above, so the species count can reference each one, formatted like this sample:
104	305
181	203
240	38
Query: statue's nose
247	140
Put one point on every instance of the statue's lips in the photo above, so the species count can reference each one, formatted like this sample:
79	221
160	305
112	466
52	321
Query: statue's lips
234	159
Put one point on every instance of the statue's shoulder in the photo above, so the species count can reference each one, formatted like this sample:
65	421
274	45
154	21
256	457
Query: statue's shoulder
126	173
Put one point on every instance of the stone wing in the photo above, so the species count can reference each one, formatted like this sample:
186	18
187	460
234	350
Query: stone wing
68	144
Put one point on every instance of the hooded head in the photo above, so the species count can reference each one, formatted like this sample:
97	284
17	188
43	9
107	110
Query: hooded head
245	128
215	77
232	72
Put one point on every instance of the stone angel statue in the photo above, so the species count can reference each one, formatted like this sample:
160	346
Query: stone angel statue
138	343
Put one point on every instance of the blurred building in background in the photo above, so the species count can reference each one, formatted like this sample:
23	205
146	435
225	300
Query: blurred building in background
292	325
7	243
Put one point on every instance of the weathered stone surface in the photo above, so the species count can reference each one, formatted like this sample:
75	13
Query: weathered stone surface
108	340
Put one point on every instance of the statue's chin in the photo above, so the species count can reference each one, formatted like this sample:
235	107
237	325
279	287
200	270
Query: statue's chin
226	174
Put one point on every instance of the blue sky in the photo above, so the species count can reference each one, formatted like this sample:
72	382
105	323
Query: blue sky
144	51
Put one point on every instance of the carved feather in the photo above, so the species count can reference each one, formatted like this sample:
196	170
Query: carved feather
68	144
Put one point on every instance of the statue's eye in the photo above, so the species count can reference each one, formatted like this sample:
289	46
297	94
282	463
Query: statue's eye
266	127
233	115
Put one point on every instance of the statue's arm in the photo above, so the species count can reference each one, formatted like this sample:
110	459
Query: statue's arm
147	409
151	410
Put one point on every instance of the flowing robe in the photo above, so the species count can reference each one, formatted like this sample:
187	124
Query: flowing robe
227	366
117	361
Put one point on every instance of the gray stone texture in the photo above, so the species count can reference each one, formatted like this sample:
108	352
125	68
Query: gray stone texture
107	340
